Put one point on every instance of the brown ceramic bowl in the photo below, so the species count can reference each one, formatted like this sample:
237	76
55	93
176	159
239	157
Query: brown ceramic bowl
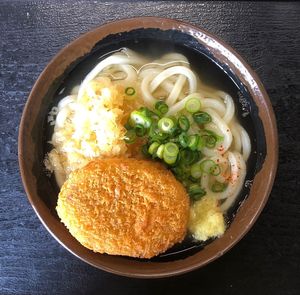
222	67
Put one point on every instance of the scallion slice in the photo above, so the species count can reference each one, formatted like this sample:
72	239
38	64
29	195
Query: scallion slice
171	151
185	168
196	192
153	148
201	143
188	157
196	171
215	170
210	167
183	139
140	130
160	151
161	107
218	187
145	111
137	117
202	118
193	105
210	141
183	123
209	132
166	125
155	134
130	136
193	142
130	91
178	172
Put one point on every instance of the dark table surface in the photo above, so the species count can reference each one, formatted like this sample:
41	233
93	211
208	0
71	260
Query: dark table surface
266	261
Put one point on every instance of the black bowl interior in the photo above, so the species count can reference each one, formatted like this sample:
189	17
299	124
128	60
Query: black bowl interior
153	42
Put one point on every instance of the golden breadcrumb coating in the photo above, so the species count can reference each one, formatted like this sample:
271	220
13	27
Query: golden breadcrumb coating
124	206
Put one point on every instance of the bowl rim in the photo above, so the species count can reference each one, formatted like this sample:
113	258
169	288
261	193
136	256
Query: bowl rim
223	51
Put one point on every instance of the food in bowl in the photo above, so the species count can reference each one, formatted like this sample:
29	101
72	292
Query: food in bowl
131	108
218	66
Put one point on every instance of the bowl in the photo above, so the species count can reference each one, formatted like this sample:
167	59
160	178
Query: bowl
223	67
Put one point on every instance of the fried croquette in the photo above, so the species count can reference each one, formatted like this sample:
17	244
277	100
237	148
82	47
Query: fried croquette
124	206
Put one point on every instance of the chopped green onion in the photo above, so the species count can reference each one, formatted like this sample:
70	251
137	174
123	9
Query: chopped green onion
178	171
130	91
166	125
160	151
174	119
153	115
195	187
201	143
183	139
160	138
183	123
202	118
209	132
136	117
185	168
215	170
206	165
161	107
218	187
210	140
173	139
140	130
199	195
153	131
153	148
145	111
171	151
130	136
155	134
193	142
169	159
196	192
188	157
196	171
175	133
209	166
193	105
177	162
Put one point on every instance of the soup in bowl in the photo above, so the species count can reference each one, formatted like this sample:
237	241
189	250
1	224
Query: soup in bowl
148	151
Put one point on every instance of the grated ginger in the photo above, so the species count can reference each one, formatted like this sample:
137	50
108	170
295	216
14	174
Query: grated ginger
206	219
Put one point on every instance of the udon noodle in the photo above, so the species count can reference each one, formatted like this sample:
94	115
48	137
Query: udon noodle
172	80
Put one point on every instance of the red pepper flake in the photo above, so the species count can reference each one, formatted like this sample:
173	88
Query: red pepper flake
221	148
